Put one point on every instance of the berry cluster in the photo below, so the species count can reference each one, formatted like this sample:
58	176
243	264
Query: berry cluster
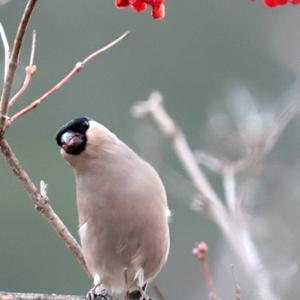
275	3
157	6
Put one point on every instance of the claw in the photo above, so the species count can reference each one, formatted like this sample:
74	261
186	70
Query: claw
139	294
91	296
96	293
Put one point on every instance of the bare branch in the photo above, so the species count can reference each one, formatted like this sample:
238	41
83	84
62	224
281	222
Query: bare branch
200	252
6	50
105	48
40	201
212	163
18	41
29	71
31	296
227	170
78	67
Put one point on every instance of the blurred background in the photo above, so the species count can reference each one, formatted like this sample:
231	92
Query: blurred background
220	65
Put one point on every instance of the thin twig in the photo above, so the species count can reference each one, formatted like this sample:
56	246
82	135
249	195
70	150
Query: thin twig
41	203
31	296
105	48
18	41
6	50
78	67
29	71
200	252
210	162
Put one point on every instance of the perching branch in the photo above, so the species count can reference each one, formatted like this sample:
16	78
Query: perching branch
13	62
30	296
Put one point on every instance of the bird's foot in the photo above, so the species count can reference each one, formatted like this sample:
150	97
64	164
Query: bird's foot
138	295
97	293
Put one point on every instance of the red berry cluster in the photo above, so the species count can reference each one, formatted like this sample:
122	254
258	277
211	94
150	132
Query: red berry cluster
275	3
158	7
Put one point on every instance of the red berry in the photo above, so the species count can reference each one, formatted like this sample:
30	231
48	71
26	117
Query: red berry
121	3
158	12
139	6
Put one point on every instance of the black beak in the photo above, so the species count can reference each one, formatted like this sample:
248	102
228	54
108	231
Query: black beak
70	141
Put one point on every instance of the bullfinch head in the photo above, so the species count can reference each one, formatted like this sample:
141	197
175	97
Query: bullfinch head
82	140
72	137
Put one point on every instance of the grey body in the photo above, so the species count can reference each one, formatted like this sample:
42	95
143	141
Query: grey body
123	212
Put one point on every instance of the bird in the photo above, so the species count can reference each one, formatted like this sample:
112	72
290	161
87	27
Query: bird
122	210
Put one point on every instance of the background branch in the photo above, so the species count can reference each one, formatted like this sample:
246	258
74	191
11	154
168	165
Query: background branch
200	252
154	108
238	238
